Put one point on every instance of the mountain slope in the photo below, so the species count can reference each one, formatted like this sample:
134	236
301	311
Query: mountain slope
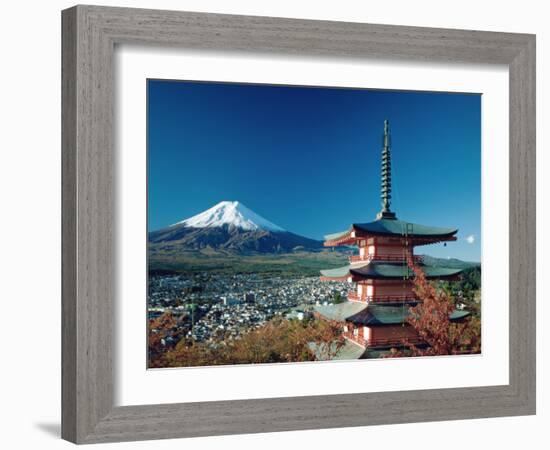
231	238
452	263
229	226
233	214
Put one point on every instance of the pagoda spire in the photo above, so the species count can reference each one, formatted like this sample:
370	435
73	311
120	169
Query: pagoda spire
385	181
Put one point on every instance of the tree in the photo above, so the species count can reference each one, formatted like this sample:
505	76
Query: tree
338	298
159	329
431	320
279	340
466	290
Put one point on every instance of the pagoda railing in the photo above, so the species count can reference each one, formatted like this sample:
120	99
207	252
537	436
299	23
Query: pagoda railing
389	258
392	342
388	343
373	343
355	297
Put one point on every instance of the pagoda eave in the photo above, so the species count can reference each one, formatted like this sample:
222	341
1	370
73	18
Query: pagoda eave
325	278
386	271
374	315
349	237
354	235
339	243
428	241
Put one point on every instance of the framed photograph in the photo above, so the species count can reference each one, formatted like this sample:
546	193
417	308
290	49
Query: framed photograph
268	222
229	286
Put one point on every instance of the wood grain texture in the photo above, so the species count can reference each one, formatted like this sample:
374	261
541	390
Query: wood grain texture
68	225
89	36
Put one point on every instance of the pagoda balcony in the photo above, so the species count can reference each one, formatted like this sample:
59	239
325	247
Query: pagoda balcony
353	296
385	343
382	258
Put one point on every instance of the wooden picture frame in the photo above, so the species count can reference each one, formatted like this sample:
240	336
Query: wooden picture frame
90	34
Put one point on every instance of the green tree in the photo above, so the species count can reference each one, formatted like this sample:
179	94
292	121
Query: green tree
338	298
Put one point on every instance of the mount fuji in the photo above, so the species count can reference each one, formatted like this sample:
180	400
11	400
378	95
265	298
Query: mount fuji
230	226
233	214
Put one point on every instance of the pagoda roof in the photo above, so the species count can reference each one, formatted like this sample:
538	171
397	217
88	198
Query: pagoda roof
349	350
340	312
385	270
392	315
395	227
373	315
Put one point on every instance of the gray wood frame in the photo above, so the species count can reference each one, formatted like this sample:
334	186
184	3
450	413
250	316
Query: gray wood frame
89	36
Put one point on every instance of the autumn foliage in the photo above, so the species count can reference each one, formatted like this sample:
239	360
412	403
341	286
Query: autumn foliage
431	321
159	330
279	340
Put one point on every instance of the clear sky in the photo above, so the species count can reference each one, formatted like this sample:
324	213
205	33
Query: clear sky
308	159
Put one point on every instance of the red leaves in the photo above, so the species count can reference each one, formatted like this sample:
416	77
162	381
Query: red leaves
431	321
278	340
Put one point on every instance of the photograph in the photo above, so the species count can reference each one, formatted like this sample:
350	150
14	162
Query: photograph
291	224
240	209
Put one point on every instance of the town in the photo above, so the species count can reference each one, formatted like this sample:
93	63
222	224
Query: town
212	307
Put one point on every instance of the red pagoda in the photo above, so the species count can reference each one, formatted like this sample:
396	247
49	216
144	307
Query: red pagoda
374	317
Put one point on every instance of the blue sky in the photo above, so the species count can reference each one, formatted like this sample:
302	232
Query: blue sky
308	159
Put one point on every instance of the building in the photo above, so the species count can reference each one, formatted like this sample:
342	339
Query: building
229	300
374	317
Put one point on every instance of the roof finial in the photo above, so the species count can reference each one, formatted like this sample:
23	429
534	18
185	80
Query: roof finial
385	183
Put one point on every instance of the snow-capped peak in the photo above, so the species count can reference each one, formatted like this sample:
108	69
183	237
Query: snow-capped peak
230	213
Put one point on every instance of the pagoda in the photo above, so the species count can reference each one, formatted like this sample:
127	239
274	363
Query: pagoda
374	316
